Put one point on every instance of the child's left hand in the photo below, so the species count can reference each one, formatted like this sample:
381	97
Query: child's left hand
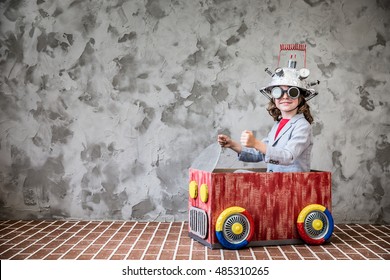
248	139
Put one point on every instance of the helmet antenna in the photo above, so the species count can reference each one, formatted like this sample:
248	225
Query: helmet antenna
292	47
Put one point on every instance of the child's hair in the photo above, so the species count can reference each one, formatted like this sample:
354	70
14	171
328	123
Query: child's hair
303	108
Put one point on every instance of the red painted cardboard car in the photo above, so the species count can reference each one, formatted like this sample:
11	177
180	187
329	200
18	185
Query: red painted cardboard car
230	208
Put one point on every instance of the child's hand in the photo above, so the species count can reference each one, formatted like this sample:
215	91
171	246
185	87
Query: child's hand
224	141
248	139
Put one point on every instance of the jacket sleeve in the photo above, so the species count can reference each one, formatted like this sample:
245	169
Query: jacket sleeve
299	140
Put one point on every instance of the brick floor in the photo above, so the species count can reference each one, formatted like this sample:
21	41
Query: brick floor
130	240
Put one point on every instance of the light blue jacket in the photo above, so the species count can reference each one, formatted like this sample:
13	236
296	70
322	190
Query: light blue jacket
289	152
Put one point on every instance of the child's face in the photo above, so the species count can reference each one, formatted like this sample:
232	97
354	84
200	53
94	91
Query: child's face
285	103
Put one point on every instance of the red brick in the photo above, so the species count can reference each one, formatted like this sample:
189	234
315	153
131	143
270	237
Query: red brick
167	255
135	255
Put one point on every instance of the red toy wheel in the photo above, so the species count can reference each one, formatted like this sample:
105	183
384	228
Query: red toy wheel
315	224
234	228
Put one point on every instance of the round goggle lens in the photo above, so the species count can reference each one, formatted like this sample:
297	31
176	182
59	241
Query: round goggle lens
293	92
276	92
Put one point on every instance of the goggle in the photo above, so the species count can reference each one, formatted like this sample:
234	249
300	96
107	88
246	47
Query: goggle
292	92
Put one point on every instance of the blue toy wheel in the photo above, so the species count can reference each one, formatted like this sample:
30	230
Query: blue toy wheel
315	224
234	228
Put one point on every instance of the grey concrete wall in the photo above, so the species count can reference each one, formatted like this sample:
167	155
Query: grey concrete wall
105	104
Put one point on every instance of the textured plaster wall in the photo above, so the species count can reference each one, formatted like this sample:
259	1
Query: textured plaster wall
105	104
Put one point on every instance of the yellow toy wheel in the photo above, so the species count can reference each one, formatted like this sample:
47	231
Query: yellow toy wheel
234	228
315	224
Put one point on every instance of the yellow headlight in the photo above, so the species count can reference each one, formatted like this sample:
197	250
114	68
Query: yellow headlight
204	193
193	189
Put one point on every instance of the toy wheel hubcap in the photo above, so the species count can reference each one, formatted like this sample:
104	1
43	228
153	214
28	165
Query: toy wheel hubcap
316	224
236	228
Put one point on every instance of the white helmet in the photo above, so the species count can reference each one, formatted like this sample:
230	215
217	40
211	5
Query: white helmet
291	77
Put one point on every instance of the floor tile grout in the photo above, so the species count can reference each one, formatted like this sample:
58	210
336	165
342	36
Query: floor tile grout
388	235
177	245
164	241
120	242
367	247
359	243
135	242
150	241
42	237
64	242
299	254
84	237
140	240
282	252
268	254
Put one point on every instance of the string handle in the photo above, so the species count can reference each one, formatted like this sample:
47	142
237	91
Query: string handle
293	47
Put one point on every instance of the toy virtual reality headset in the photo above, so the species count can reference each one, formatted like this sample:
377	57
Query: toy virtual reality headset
295	80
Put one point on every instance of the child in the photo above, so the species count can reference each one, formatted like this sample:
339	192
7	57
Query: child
288	145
